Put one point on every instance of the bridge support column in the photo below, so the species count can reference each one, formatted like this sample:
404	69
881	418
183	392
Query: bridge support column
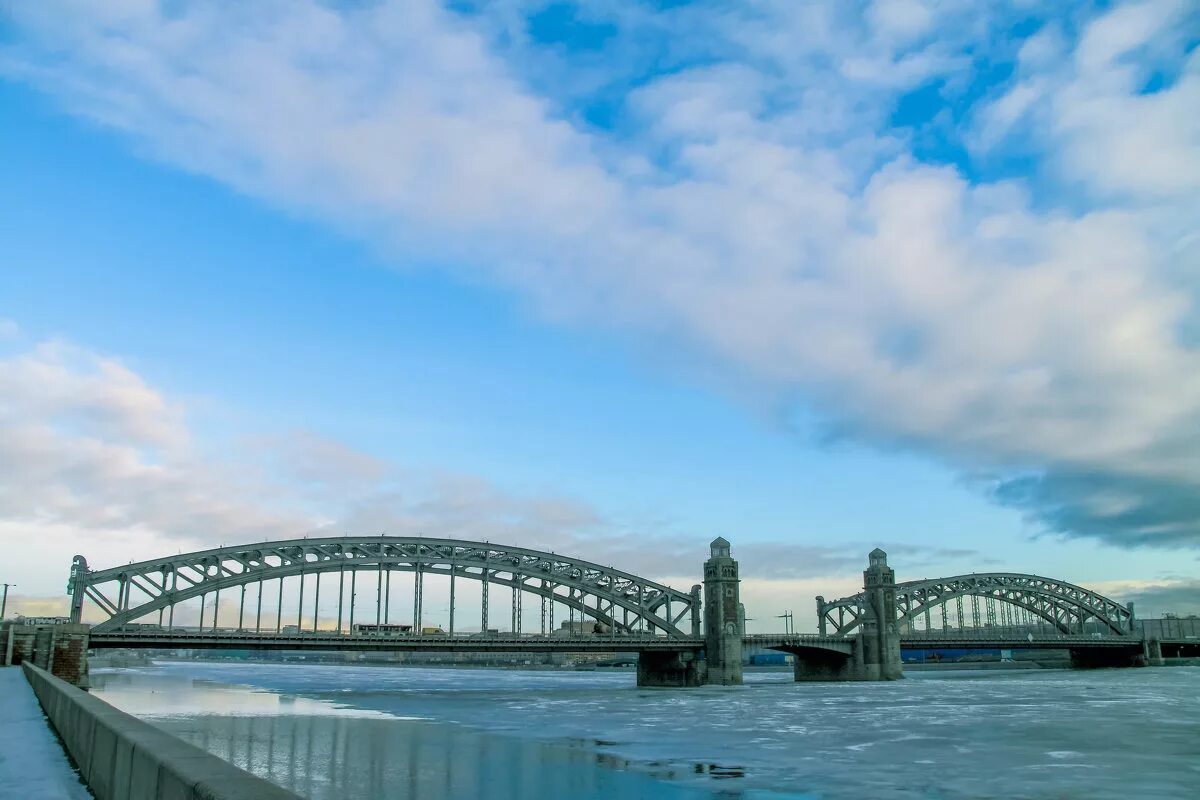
1153	653
813	665
677	670
723	620
879	642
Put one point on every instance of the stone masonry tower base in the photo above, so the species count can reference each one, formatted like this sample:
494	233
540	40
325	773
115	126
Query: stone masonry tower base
722	617
879	641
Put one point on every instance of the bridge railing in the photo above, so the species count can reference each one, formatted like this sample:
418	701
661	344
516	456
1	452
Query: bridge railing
458	636
1011	633
332	641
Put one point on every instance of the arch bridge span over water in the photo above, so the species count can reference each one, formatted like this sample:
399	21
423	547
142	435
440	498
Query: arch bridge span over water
1010	600
681	638
152	589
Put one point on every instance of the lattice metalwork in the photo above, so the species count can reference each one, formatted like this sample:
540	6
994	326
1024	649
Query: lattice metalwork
617	599
1064	606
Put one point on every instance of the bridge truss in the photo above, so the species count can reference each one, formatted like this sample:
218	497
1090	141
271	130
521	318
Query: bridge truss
1009	600
151	590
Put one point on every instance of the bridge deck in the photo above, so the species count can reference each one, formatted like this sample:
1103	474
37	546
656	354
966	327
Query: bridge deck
233	640
230	640
1044	641
989	640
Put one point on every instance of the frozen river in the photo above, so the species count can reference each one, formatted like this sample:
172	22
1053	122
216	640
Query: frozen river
379	732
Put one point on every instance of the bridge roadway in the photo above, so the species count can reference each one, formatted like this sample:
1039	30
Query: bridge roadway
952	639
235	640
983	640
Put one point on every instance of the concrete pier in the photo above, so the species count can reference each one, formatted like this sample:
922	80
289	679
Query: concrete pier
874	653
724	627
821	665
723	617
675	670
880	639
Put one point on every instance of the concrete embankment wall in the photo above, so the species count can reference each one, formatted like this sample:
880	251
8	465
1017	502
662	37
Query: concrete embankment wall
122	757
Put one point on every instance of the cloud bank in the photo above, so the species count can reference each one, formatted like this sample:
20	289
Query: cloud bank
969	231
95	460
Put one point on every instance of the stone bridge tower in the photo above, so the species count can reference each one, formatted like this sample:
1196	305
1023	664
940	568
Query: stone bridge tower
722	616
880	639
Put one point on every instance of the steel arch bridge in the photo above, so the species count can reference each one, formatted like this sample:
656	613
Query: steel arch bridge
625	602
1065	606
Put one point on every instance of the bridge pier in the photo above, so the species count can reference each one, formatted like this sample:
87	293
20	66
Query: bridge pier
680	669
723	617
875	652
1151	653
817	665
879	641
724	626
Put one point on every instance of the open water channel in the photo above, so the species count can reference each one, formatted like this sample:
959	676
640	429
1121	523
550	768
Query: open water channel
346	732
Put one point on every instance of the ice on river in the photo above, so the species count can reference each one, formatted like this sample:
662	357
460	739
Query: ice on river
1053	734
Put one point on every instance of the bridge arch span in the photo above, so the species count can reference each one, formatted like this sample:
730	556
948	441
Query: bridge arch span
1063	605
613	597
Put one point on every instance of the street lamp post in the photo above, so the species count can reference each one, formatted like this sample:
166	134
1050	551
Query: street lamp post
4	600
787	622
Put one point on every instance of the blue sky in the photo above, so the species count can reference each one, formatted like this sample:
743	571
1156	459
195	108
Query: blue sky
602	276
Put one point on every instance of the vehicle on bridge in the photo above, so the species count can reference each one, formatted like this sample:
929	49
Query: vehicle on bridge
141	626
393	629
382	629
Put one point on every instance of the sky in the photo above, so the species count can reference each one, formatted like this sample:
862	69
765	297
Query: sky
608	278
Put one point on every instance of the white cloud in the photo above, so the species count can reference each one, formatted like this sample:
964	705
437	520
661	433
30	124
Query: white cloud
1151	599
96	461
1087	105
85	442
759	210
